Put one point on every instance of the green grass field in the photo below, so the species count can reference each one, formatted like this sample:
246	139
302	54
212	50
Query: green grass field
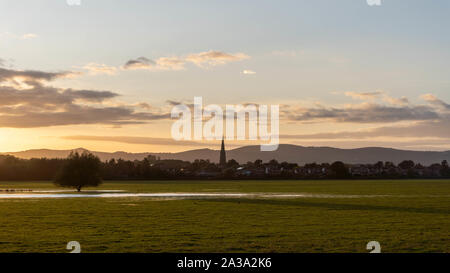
408	216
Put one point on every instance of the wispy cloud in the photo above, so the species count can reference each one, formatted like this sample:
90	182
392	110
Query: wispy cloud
364	96
248	72
437	102
138	140
381	95
170	63
96	69
29	36
202	59
31	74
161	64
213	58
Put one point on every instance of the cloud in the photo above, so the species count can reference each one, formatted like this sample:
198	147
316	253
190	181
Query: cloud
170	63
433	129
139	63
202	59
41	105
371	96
173	102
396	101
213	58
138	140
95	69
41	96
89	95
161	64
29	36
248	72
366	113
371	112
32	75
364	96
143	105
6	63
360	113
75	115
436	102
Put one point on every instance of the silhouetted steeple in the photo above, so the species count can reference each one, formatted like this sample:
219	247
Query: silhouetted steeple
223	156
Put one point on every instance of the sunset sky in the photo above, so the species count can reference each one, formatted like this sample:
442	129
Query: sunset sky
104	75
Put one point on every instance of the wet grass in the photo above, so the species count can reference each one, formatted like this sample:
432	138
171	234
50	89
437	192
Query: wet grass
413	216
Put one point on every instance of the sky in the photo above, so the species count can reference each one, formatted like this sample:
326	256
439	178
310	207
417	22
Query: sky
105	74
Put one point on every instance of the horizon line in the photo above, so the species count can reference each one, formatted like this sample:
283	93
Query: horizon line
243	146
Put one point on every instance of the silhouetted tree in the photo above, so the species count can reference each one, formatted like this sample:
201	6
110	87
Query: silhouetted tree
407	165
312	165
339	169
229	173
273	163
232	164
445	169
80	171
379	165
258	162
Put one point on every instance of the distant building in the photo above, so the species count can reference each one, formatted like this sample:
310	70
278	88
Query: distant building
223	156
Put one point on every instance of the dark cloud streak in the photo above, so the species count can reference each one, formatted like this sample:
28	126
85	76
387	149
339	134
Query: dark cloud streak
31	75
370	113
139	63
139	140
40	105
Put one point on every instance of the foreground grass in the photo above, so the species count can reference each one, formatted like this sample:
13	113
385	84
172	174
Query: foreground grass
411	216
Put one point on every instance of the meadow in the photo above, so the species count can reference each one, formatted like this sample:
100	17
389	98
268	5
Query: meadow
403	215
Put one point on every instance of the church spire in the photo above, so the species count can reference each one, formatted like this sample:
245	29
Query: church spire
223	156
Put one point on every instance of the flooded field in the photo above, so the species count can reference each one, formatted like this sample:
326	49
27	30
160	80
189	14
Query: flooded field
53	194
227	216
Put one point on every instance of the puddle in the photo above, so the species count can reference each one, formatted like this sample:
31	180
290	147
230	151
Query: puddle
180	195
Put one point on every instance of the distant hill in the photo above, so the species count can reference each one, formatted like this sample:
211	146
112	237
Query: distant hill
285	152
40	153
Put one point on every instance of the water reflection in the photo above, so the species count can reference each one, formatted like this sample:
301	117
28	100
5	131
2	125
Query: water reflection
182	195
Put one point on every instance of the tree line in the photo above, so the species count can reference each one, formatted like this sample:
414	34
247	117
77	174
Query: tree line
16	169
